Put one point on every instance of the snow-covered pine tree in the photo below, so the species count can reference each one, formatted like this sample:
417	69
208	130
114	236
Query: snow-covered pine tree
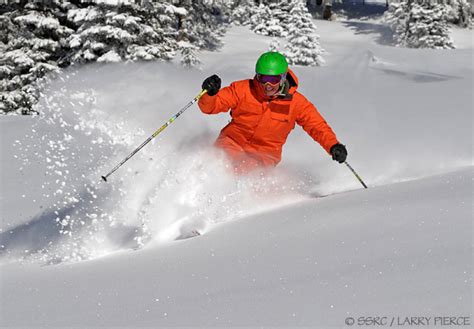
281	12
110	34
260	13
158	39
94	38
38	38
459	13
32	43
243	12
396	17
303	47
419	24
265	23
205	23
188	51
188	54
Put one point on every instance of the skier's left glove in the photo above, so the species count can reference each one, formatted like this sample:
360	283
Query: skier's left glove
212	85
339	152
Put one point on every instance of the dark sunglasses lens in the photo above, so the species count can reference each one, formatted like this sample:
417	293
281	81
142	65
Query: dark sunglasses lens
272	79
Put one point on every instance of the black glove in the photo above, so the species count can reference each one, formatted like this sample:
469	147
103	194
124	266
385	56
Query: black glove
212	85
339	153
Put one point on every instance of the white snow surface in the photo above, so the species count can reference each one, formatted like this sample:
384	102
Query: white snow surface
77	252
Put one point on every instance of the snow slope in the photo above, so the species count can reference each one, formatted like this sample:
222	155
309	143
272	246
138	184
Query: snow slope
272	253
397	250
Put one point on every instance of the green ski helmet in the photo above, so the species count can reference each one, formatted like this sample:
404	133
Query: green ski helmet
271	63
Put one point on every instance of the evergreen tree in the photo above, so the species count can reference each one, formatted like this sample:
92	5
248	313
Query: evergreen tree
109	33
32	44
242	14
37	39
419	24
459	13
264	22
205	23
303	47
281	12
188	55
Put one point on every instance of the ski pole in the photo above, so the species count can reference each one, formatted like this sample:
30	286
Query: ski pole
355	174
163	127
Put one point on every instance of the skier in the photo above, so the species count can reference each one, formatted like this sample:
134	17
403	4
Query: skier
264	111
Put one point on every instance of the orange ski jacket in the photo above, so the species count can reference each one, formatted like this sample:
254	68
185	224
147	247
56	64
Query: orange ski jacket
260	125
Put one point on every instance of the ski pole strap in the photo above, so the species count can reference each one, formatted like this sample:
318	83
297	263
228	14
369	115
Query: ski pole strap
355	174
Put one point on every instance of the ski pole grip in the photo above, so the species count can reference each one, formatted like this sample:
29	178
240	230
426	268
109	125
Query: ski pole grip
201	94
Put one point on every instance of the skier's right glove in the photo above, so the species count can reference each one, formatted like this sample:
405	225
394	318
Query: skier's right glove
212	85
339	153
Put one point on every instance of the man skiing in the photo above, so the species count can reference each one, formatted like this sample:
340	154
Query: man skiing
264	110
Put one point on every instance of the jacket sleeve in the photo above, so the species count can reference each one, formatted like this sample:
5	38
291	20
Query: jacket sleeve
223	101
314	124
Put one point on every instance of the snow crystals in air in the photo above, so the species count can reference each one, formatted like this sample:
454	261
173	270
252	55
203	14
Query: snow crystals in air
155	197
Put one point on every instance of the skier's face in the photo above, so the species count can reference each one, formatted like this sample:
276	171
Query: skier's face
269	89
270	83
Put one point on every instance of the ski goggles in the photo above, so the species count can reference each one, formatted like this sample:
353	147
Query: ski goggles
271	79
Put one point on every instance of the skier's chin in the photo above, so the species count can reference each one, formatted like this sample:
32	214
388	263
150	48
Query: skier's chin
267	92
270	93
